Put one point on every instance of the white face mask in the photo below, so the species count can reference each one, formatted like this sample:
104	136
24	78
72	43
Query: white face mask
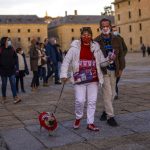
105	32
21	52
9	43
116	33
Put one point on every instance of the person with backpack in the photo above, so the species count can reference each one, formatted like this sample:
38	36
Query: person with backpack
8	68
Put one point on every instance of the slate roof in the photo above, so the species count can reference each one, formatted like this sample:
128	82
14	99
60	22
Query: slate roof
21	19
78	19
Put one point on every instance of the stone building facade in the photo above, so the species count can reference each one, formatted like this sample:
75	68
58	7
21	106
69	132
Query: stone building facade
133	20
65	29
22	29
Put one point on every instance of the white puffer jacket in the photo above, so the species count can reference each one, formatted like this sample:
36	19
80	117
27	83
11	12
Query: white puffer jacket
72	58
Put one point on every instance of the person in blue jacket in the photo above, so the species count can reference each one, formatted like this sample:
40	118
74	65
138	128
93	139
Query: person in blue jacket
53	58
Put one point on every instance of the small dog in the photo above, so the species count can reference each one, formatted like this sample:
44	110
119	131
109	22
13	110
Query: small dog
48	121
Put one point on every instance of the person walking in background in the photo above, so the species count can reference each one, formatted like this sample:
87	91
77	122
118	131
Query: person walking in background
148	50
38	48
110	44
52	62
60	58
23	69
85	57
43	64
34	56
143	49
8	68
125	50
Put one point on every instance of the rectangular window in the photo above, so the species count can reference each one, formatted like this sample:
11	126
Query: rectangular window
72	30
19	30
97	29
129	14
29	30
141	40
72	38
29	39
19	39
140	26
119	29
130	28
140	12
118	6
38	30
130	41
8	30
118	17
128	2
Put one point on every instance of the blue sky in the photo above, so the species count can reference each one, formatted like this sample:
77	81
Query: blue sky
53	7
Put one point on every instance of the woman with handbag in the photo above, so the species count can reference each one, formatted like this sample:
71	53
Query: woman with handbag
85	58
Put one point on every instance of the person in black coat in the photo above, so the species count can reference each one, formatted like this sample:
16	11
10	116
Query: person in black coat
125	50
8	68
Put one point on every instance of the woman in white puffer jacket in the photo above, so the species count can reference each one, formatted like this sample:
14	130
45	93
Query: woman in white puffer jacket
85	59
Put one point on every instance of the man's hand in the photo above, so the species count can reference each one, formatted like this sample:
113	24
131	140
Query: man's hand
112	56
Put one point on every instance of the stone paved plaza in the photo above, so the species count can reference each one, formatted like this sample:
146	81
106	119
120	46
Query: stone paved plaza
19	126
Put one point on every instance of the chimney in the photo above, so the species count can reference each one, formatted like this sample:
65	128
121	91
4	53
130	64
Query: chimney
75	12
65	13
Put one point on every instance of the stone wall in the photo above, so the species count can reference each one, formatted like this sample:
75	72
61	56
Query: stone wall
22	34
134	22
67	32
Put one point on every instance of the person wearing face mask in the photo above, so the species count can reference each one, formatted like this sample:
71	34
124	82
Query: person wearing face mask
110	44
85	57
8	68
34	57
125	50
23	69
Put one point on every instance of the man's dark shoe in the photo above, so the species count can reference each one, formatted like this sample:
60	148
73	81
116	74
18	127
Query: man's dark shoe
103	116
116	97
57	82
112	122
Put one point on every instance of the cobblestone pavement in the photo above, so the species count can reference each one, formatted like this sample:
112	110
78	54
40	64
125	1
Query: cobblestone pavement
19	127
